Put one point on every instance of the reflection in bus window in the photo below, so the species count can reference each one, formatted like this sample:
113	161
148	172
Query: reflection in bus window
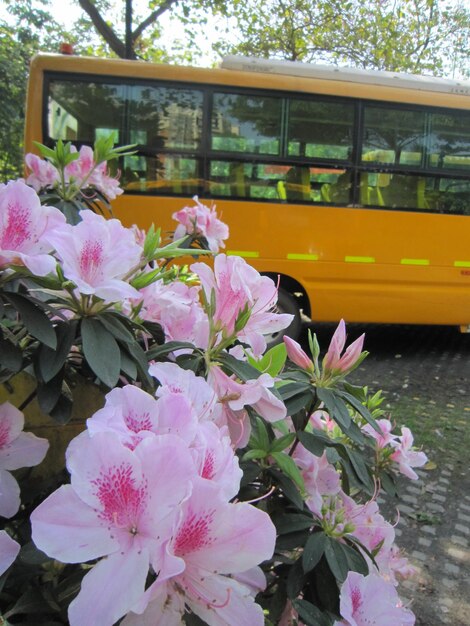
450	140
393	136
321	130
164	173
163	117
273	181
246	123
78	109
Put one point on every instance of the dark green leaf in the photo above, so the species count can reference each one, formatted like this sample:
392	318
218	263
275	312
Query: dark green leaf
32	601
298	402
360	408
292	541
101	351
292	522
335	406
311	442
360	468
242	369
128	366
158	352
289	390
313	551
52	361
336	559
116	327
388	483
30	555
356	562
140	359
62	411
310	614
48	393
11	357
251	471
34	318
295	579
288	488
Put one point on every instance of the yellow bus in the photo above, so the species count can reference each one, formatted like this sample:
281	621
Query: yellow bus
352	187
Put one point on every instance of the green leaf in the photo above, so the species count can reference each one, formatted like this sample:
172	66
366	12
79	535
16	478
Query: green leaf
128	366
11	357
272	361
295	579
310	614
360	467
52	361
101	351
278	445
360	408
254	454
311	442
158	352
34	318
48	393
262	435
336	559
356	562
292	522
288	488
313	551
288	466
62	411
115	324
335	406
243	370
291	541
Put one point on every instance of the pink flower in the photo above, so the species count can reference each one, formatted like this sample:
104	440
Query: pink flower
177	308
238	288
175	380
84	173
24	226
385	438
121	505
134	414
369	600
215	460
320	477
297	355
333	361
201	221
212	542
9	549
43	174
234	396
17	449
406	456
96	255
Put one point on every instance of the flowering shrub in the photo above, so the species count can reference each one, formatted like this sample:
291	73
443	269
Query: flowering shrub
220	483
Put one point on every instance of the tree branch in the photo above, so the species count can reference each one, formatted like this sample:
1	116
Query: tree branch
104	30
153	17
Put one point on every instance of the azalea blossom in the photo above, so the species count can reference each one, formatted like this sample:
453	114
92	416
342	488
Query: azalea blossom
320	478
406	456
121	505
371	601
24	227
212	542
385	437
43	174
177	308
336	362
241	292
85	172
96	255
17	449
297	355
201	221
234	396
9	549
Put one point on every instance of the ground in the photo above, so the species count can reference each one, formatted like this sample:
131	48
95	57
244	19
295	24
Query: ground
424	373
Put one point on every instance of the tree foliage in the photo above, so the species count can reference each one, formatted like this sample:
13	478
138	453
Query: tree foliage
417	36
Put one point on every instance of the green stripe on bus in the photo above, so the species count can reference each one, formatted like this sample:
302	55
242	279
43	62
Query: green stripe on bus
293	256
461	263
415	262
359	259
246	254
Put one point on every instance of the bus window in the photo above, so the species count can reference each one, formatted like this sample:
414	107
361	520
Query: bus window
450	140
390	135
320	129
164	117
163	173
77	110
242	123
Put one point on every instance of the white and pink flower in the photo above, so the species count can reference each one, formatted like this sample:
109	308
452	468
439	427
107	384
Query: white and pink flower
201	221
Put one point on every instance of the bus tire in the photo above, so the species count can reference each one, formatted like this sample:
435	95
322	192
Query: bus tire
286	304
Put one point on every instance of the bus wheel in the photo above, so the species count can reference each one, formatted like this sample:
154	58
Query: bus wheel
286	304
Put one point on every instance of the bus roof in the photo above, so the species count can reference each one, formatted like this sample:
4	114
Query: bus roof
346	74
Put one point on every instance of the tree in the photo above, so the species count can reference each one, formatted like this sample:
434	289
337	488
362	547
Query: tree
417	36
28	29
